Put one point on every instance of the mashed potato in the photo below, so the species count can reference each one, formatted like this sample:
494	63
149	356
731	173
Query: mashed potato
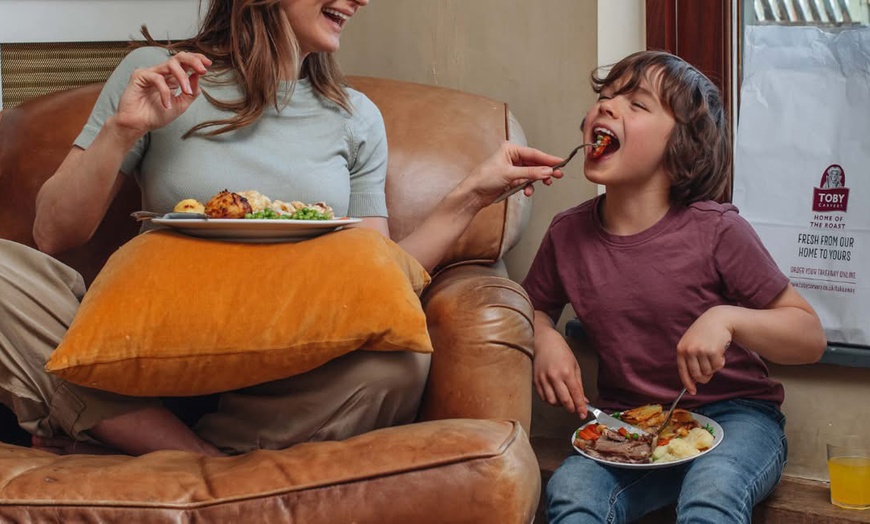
258	201
692	444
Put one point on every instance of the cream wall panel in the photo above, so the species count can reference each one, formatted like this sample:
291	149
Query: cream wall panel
621	29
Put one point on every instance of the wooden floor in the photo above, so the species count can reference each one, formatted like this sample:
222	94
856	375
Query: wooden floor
795	501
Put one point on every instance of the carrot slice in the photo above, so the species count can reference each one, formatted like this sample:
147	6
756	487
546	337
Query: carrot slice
603	142
588	433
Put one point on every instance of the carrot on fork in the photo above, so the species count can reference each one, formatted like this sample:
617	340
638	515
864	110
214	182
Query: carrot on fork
603	142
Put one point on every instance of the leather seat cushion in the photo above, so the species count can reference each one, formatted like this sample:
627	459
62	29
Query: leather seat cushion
481	469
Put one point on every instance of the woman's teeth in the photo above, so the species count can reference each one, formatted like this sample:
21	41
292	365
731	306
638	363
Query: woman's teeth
335	15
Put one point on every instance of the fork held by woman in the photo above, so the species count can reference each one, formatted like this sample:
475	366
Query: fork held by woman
560	165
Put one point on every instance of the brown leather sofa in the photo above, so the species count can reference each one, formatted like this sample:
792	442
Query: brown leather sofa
467	459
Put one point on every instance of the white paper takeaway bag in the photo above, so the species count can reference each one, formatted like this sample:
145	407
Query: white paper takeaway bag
802	165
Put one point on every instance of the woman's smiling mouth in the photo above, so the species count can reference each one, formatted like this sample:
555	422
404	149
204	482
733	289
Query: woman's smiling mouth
335	16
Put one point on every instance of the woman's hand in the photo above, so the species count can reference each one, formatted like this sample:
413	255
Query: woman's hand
510	166
155	96
701	351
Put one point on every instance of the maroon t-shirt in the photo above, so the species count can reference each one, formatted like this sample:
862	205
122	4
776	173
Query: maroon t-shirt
637	295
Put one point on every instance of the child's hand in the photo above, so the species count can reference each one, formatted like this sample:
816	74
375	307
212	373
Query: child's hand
557	377
701	351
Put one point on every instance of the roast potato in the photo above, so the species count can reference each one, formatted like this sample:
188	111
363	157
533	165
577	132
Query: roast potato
189	205
227	204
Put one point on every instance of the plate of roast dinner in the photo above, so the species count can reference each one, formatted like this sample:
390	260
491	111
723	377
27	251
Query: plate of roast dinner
686	437
250	216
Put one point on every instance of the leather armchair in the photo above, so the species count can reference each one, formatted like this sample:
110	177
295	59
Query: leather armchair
468	457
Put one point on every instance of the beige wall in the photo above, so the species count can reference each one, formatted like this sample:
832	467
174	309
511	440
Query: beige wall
534	55
822	402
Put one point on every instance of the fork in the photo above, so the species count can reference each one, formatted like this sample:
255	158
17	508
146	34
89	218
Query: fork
560	165
670	412
148	215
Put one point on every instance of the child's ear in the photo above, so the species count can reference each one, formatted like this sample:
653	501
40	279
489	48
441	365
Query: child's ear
583	125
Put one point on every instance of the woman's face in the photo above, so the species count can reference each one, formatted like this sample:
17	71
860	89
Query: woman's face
318	23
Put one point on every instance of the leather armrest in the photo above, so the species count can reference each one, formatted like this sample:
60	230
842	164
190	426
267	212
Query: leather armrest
481	325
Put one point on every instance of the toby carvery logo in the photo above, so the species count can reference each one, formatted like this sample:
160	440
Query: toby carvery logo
832	195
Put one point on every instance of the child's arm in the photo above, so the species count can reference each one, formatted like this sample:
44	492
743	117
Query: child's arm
556	371
786	331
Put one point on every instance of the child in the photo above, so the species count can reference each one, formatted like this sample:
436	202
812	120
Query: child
673	290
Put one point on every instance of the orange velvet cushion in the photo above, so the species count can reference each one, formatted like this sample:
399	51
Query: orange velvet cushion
175	315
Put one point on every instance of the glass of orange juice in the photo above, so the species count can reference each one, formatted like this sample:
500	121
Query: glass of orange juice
849	468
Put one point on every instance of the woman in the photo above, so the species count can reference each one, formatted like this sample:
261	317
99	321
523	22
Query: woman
274	114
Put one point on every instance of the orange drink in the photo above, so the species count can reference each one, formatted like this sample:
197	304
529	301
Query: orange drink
849	468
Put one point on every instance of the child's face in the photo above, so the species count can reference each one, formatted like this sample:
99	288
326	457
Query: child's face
640	127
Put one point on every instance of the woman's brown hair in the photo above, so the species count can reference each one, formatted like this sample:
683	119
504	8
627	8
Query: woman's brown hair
251	39
698	154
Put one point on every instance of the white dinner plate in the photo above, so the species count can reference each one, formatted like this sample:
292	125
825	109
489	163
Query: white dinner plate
253	229
718	435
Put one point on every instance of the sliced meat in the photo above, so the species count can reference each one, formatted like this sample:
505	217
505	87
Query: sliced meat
613	435
614	447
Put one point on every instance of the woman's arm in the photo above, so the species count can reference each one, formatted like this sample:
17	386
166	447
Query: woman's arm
71	204
509	166
439	231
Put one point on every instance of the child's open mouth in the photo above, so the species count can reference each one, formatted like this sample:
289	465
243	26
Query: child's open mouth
607	142
336	16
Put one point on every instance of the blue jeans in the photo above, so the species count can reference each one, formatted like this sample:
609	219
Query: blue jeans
720	487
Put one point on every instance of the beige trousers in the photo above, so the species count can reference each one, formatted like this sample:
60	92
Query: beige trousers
39	297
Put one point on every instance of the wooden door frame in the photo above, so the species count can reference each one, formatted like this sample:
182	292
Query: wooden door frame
700	32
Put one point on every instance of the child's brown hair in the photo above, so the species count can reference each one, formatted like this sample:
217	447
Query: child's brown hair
698	154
